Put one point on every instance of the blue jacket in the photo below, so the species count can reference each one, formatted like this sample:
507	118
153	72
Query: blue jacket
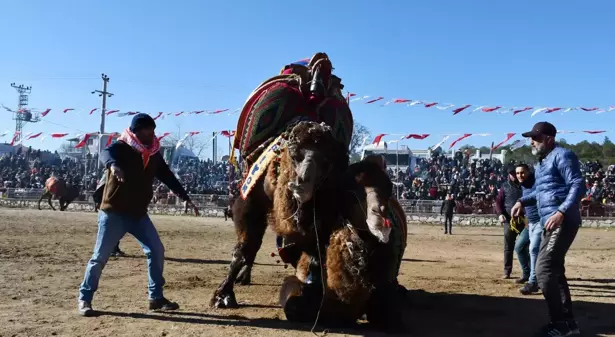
559	186
531	211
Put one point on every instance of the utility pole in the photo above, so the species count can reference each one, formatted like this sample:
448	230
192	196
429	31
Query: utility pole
215	147
104	93
20	115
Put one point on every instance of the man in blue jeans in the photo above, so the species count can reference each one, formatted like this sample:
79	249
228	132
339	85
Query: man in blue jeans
528	244
132	163
558	192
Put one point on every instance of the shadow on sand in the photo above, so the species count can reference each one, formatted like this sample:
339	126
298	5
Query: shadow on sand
432	314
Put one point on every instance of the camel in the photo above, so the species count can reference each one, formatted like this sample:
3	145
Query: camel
296	196
55	187
363	258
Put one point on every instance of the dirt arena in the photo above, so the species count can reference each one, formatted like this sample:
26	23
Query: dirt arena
456	290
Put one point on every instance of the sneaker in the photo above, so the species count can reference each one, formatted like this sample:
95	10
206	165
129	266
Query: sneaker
529	289
85	309
574	327
558	329
162	304
522	280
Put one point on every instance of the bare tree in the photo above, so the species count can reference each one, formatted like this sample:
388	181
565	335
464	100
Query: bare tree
360	135
197	143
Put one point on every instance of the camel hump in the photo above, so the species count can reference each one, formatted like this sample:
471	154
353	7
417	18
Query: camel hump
53	184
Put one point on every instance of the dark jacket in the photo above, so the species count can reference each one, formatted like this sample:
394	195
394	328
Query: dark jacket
531	211
508	195
448	206
132	196
559	186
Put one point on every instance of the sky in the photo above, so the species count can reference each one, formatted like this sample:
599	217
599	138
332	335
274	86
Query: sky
190	55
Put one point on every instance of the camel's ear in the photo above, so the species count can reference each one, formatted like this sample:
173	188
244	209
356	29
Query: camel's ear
378	160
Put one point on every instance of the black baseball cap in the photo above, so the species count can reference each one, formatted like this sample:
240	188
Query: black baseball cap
541	129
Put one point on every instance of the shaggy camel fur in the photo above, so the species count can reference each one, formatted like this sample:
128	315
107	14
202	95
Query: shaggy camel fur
361	270
296	197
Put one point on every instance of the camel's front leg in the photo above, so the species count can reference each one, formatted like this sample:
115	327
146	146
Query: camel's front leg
43	195
250	223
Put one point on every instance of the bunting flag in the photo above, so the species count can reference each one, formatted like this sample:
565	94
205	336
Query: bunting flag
416	136
111	112
228	133
429	105
34	135
508	137
84	141
374	100
441	142
459	139
159	114
92	111
44	113
110	139
67	110
517	144
163	135
4	133
14	138
378	138
58	135
516	111
458	110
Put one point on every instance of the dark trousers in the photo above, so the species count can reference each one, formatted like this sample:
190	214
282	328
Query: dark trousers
550	270
510	238
448	220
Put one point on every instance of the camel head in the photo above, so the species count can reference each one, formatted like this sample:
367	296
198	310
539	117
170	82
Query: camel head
312	152
369	190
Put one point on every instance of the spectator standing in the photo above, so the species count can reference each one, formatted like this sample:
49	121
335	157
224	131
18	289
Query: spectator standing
508	195
449	206
529	240
559	189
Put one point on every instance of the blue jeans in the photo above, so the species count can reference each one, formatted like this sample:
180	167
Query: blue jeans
535	235
111	228
522	249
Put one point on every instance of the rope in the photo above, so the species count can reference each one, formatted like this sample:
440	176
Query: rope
322	275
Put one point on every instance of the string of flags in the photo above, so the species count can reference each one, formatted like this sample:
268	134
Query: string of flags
470	108
118	113
515	145
83	138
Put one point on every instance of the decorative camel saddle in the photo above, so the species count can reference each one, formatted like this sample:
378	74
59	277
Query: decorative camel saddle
300	92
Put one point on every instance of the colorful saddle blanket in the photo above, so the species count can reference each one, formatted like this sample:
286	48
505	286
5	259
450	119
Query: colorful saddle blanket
301	92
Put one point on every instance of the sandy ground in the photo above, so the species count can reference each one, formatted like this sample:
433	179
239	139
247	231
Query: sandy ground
456	290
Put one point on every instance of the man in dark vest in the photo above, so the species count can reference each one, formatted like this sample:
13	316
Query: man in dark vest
131	163
508	195
449	206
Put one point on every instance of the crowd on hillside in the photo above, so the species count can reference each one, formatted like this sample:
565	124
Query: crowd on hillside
26	170
475	182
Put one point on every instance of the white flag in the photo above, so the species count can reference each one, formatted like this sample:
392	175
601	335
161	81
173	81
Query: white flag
441	142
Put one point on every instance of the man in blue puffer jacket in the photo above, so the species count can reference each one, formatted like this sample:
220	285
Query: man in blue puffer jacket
559	189
528	245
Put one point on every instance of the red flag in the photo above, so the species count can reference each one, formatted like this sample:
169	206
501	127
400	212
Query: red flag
67	110
14	138
163	135
374	100
458	139
487	109
218	111
228	133
34	136
198	112
83	141
589	109
92	111
192	133
508	137
112	112
521	110
159	114
378	138
458	110
401	100
44	113
550	110
110	139
594	132
416	136
179	113
429	105
58	135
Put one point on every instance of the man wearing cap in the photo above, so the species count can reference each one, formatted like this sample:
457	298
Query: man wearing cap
559	189
508	195
131	165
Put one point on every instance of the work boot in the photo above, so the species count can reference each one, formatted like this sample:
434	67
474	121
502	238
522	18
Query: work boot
162	304
529	289
522	280
85	309
506	276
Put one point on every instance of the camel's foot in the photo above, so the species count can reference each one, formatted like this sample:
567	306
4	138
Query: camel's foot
223	300
245	276
386	309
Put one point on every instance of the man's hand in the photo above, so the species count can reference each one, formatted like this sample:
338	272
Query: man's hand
554	221
502	219
117	172
516	210
193	206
